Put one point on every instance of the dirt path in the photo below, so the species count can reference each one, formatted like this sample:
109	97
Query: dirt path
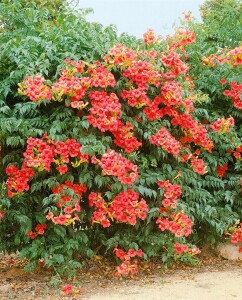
217	285
214	279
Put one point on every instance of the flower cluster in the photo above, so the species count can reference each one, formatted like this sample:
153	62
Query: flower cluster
232	57
235	94
73	67
68	199
62	191
187	103
69	85
104	115
235	56
198	165
142	73
236	236
66	150
238	151
150	38
179	249
67	289
70	289
120	56
41	153
213	60
171	93
171	194
179	224
113	163
105	111
100	76
187	16
182	37
154	112
235	233
164	139
17	181
39	230
173	62
101	215
127	267
222	125
35	89
223	81
136	97
124	208
151	55
65	218
194	132
75	87
221	170
124	138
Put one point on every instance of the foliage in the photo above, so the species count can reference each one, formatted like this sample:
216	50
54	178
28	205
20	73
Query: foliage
214	67
38	38
222	22
122	117
114	148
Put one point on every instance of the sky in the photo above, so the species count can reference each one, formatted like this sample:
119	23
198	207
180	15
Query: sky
136	16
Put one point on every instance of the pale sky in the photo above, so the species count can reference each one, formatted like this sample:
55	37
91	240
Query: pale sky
136	16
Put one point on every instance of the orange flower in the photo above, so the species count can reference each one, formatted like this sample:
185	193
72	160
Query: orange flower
223	81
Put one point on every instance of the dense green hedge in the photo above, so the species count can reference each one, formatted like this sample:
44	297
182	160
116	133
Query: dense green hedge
220	32
34	39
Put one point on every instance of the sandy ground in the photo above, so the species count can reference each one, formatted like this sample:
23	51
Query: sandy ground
214	279
217	285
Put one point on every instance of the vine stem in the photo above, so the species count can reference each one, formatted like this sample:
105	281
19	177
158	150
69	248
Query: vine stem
57	273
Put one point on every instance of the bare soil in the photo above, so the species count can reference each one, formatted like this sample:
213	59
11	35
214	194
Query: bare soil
214	279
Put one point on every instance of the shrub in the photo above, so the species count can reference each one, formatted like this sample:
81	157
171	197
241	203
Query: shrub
132	133
119	139
215	66
37	36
